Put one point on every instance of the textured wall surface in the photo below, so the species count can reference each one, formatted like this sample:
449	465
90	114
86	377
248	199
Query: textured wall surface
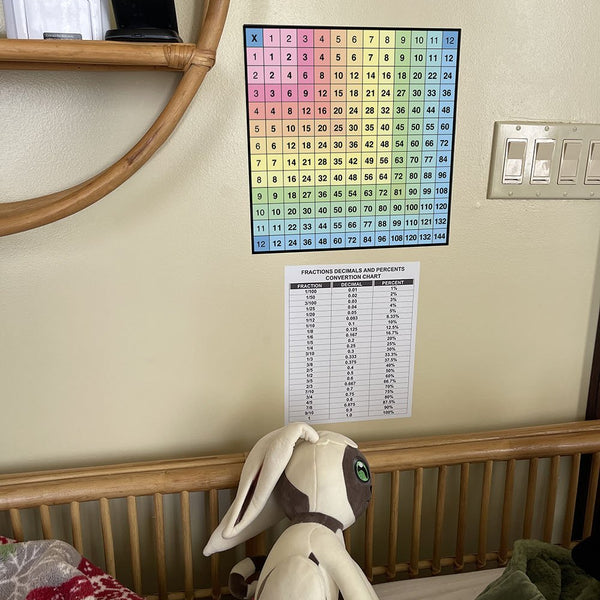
144	327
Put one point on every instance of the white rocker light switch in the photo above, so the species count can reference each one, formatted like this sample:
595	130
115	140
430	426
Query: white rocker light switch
592	172
542	161
514	161
569	161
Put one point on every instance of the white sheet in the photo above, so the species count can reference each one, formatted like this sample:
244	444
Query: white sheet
459	586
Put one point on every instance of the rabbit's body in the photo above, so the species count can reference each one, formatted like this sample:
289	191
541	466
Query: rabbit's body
309	562
299	577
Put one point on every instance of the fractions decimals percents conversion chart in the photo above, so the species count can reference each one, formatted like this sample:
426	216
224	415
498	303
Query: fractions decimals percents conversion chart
350	135
350	341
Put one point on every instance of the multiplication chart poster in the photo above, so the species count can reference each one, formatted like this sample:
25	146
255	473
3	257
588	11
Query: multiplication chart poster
350	341
350	135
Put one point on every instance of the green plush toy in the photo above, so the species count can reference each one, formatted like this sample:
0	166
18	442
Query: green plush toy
322	483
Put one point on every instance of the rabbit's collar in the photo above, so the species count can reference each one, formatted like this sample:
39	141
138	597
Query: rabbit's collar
320	518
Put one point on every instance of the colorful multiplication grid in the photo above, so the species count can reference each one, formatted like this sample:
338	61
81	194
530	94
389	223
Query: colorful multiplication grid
350	136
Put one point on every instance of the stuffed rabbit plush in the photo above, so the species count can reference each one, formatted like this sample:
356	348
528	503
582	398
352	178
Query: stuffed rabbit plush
321	482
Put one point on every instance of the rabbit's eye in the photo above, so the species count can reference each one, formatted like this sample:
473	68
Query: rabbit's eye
362	471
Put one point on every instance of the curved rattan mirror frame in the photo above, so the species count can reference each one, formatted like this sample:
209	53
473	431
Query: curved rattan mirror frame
28	214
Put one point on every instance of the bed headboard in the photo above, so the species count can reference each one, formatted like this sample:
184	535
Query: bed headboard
443	503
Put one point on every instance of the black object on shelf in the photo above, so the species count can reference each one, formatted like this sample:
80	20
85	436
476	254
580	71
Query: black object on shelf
144	21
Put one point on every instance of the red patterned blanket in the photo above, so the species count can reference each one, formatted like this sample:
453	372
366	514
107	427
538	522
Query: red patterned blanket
53	570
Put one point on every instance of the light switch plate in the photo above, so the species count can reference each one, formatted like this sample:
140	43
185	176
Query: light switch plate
556	176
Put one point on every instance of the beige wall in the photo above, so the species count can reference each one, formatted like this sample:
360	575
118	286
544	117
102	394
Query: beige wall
144	327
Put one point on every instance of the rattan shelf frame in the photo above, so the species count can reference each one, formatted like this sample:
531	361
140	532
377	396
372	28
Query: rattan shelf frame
193	61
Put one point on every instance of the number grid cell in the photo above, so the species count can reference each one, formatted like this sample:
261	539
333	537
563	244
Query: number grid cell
350	136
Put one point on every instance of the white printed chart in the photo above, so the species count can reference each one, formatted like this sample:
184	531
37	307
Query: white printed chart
350	339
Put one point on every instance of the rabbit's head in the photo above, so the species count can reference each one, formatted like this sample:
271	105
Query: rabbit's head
328	479
305	475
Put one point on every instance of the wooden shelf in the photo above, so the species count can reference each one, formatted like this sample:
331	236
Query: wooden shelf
192	60
97	55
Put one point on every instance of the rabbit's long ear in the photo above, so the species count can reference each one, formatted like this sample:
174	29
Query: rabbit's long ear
253	510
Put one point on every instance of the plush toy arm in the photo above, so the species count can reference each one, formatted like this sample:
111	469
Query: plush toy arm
334	559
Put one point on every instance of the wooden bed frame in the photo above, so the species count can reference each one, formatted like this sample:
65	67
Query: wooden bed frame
441	504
